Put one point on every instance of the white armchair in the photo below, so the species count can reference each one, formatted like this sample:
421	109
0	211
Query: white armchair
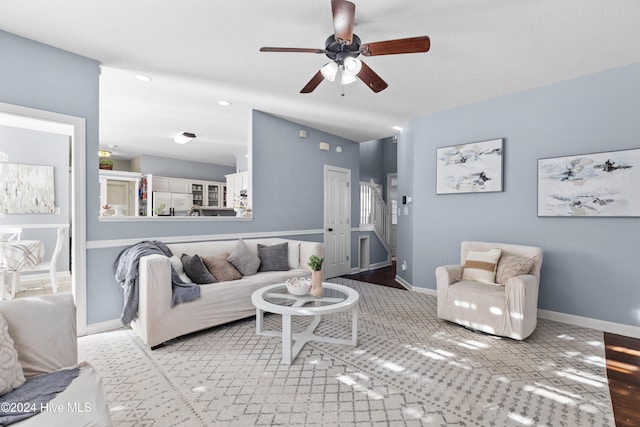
506	309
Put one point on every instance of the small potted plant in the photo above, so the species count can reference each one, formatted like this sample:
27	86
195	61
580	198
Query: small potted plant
315	262
105	164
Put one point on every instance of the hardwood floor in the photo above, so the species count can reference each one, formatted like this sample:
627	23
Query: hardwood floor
622	353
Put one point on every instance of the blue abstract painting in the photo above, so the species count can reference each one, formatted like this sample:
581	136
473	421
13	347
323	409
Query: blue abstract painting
470	168
598	184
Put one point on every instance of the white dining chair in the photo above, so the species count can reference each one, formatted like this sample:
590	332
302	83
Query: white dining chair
6	234
10	233
49	266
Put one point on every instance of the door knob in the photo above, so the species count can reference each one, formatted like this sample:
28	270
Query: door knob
330	229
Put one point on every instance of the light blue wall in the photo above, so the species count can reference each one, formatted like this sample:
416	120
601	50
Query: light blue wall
371	161
378	158
590	264
287	176
288	173
51	79
41	148
176	168
287	196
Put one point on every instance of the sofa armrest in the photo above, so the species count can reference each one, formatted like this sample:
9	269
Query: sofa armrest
522	303
307	249
43	330
448	274
155	288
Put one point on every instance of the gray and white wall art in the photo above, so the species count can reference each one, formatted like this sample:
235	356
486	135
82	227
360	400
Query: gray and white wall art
26	189
470	168
600	184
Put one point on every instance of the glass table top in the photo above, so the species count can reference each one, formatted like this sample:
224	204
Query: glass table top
280	296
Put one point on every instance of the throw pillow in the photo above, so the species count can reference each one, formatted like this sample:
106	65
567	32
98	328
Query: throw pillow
512	265
221	269
179	269
243	259
11	375
274	258
481	266
294	254
196	270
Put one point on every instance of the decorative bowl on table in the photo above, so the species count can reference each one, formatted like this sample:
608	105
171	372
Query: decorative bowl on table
298	285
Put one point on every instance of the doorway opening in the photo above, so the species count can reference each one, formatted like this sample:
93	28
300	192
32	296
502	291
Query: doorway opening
75	129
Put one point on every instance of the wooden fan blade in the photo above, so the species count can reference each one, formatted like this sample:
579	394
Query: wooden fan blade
392	47
371	79
313	83
291	49
343	15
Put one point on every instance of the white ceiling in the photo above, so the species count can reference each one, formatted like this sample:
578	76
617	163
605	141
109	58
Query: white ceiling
201	51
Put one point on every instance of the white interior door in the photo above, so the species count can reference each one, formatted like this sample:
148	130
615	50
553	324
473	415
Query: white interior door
337	221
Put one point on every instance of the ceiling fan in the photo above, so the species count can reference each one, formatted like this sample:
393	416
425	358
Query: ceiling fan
343	48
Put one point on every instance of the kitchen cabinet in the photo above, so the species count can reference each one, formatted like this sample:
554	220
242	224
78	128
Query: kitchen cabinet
215	194
207	193
237	185
171	185
198	193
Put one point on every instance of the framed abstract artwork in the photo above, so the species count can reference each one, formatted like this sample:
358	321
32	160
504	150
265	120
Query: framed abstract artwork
470	168
26	189
599	184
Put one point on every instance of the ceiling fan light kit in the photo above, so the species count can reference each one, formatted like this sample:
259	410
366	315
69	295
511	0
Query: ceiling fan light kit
329	70
343	47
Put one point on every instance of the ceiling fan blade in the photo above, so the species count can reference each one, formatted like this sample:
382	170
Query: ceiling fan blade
313	83
343	15
371	79
392	47
291	49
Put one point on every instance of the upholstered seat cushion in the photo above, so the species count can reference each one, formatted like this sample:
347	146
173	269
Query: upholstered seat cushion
477	305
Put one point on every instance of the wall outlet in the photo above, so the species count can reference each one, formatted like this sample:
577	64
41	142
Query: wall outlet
404	265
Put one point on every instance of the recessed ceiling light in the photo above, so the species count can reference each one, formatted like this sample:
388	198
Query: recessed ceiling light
398	128
143	78
224	103
184	137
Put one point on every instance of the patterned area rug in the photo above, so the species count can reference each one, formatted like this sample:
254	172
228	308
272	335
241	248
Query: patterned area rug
409	368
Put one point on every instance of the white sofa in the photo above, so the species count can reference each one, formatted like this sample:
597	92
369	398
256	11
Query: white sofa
220	302
43	330
508	309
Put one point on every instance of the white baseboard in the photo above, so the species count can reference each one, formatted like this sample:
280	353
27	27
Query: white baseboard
587	322
570	319
410	287
109	325
30	279
377	265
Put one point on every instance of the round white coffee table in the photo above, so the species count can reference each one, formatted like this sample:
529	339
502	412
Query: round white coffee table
276	299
